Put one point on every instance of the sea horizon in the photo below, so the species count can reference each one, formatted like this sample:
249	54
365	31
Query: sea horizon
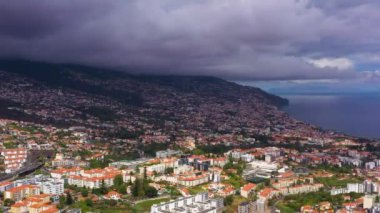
349	113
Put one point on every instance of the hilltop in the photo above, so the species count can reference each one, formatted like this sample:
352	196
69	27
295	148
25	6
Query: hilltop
107	100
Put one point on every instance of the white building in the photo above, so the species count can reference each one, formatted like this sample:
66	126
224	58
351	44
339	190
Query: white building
235	154
355	187
14	159
199	203
269	158
366	187
52	187
159	168
262	165
370	165
129	178
261	205
247	157
183	169
369	201
167	153
46	184
193	180
338	191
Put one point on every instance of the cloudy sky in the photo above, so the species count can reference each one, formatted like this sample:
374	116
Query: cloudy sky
286	42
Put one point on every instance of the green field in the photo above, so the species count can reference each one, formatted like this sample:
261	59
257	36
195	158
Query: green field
234	206
335	181
102	208
285	209
145	205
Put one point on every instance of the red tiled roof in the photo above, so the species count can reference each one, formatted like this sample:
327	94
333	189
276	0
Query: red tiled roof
249	187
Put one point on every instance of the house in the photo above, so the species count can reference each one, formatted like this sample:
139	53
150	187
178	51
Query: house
268	193
247	189
308	209
97	156
112	195
323	206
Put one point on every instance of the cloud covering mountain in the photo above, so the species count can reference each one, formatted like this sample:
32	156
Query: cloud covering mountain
233	39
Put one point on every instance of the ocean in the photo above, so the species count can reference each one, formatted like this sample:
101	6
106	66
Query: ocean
356	115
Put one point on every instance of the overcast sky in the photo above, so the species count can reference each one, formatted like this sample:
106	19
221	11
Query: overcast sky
297	41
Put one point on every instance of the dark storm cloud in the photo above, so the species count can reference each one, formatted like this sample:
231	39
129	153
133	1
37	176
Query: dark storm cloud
234	39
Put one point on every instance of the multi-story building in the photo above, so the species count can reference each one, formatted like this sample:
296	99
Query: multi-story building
47	184
14	159
181	169
375	208
158	168
195	203
60	173
247	189
247	207
367	186
220	162
299	189
261	205
193	180
52	187
6	185
20	192
167	153
355	187
35	204
94	178
369	201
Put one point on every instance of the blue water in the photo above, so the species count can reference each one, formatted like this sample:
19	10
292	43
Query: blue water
356	115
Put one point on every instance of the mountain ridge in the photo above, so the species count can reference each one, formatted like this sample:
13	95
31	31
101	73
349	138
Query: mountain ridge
52	74
76	95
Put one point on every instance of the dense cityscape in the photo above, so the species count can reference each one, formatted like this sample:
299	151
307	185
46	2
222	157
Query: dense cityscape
198	106
69	150
304	174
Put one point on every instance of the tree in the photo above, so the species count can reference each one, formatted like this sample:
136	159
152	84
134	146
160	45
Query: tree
111	202
89	202
119	184
103	188
169	170
135	189
62	201
145	175
84	192
228	200
122	189
69	199
118	181
138	188
99	163
141	189
198	151
8	202
151	192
